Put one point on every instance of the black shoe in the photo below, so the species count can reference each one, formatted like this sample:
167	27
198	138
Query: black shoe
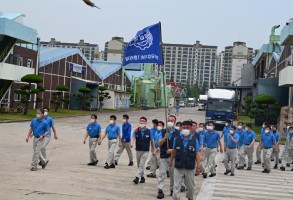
266	171
292	162
116	162
292	169
34	169
112	166
148	168
248	168
272	159
276	167
282	168
142	180
262	164
168	174
160	194
227	172
257	162
212	175
240	167
171	193
182	189
158	167
130	163
280	161
151	175
288	165
107	166
216	166
40	163
232	174
244	164
136	180
45	165
204	175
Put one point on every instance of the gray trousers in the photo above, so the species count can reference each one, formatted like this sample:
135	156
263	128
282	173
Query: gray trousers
288	157
155	162
231	154
43	154
164	166
141	157
241	156
92	145
258	153
276	155
37	146
267	158
111	148
125	145
249	153
188	176
209	163
203	157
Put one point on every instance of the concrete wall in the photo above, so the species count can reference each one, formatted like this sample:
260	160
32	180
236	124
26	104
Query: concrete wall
247	75
119	100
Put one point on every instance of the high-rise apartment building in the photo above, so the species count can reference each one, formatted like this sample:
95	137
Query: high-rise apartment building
114	49
234	58
91	51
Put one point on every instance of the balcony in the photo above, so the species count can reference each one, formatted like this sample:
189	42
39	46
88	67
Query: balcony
285	77
14	72
286	37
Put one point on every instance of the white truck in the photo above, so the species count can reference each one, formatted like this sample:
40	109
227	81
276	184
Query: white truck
191	102
202	102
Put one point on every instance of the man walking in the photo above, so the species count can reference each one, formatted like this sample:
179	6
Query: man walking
268	141
93	131
275	155
231	151
177	110
241	150
288	156
40	129
114	137
260	147
47	139
125	141
143	139
249	140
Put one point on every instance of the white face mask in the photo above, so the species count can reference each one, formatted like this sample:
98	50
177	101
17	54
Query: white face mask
200	129
267	131
111	121
288	127
210	128
231	131
226	124
170	124
124	120
142	125
92	121
178	128
159	128
247	129
185	132
239	127
45	113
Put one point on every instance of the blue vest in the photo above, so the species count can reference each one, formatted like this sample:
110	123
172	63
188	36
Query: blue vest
163	148
142	143
185	159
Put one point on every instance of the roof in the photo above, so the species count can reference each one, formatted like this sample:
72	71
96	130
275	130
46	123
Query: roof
266	48
221	94
105	68
133	74
11	16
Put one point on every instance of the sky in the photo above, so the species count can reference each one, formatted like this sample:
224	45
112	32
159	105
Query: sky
212	22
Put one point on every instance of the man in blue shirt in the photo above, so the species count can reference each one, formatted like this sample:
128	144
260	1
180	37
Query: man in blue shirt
249	140
155	159
225	133
186	153
125	141
275	155
289	149
260	147
143	140
39	128
177	110
93	131
231	151
47	139
203	146
212	139
241	149
268	141
288	124
114	136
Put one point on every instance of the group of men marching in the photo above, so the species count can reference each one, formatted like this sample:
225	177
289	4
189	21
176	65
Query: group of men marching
181	151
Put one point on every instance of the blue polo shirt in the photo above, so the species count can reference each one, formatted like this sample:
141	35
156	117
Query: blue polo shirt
211	139
249	136
226	131
157	138
230	143
171	133
241	137
126	132
50	122
39	127
277	136
177	107
152	136
113	131
201	142
93	130
268	140
185	142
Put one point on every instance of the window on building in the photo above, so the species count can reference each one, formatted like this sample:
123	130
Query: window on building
29	63
17	97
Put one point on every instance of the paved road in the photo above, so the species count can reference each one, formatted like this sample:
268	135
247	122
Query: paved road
252	185
67	176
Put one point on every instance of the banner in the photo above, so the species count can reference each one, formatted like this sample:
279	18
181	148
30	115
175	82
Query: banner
145	47
76	68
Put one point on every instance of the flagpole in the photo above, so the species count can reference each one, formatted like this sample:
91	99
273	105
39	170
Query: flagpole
164	82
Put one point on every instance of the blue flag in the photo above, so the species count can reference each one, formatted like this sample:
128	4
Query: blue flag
145	47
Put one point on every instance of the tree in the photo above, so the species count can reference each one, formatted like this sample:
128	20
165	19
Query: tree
58	98
267	107
204	88
85	98
27	90
102	94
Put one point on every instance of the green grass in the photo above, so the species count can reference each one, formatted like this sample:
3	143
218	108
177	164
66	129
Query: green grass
32	113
